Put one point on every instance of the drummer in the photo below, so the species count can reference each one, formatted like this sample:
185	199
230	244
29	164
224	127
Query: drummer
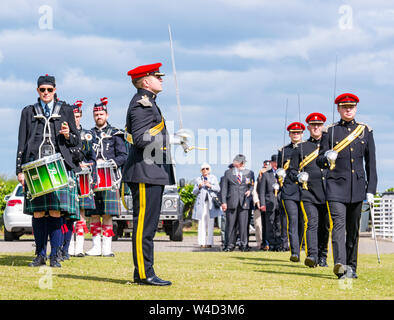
110	148
84	157
33	145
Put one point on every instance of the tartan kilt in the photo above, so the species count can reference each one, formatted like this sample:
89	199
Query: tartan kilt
63	200
87	203
107	202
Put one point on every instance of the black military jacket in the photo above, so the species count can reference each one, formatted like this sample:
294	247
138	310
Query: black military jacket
149	159
109	143
350	180
290	190
233	192
31	135
317	176
266	191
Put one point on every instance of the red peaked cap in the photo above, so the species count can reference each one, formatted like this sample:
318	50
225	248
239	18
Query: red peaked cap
77	107
316	117
295	126
347	98
101	106
146	70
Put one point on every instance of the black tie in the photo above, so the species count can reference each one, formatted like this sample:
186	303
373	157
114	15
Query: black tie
46	111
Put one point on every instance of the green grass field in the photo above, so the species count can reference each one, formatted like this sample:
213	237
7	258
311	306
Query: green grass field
195	276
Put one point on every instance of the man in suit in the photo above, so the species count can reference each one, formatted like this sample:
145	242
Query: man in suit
268	194
148	168
311	180
35	141
237	189
348	145
289	192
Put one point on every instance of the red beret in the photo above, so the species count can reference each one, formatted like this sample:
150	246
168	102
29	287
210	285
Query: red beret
146	70
347	98
295	126
316	117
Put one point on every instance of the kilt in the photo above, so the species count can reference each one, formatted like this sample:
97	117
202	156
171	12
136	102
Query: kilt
107	202
63	200
87	203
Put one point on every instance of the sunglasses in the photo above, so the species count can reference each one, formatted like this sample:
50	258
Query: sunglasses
204	169
45	89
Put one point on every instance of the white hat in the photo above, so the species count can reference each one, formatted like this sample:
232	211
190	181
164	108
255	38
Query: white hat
205	165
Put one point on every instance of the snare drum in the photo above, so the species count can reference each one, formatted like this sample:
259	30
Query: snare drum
84	180
105	177
45	175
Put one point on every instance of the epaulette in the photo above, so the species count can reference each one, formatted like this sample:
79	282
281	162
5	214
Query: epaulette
364	124
144	101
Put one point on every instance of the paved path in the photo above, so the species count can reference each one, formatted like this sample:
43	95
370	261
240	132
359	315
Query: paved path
189	244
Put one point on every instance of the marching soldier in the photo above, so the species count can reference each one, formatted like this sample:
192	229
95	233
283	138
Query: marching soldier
37	140
289	191
343	151
109	146
148	168
311	181
84	157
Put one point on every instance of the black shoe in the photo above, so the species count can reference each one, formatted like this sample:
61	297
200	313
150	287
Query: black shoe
294	258
244	248
153	281
65	256
109	255
310	262
38	261
54	262
341	270
80	255
323	262
229	249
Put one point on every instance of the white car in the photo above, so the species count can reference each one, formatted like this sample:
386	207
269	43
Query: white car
16	223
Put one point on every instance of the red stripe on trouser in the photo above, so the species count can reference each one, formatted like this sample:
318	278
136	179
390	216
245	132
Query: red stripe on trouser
108	230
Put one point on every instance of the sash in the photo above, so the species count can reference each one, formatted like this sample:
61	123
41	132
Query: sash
152	131
308	159
349	139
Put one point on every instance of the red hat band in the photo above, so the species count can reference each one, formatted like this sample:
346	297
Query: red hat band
347	99
316	117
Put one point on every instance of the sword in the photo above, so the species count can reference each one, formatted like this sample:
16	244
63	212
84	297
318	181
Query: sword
372	211
332	162
182	134
304	175
281	172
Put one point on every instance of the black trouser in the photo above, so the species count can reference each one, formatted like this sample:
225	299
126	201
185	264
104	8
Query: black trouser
295	225
316	229
146	215
237	220
345	231
271	227
284	240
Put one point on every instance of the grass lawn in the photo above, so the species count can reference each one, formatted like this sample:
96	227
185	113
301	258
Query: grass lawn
195	275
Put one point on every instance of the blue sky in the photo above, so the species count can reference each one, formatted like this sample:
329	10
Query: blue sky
237	63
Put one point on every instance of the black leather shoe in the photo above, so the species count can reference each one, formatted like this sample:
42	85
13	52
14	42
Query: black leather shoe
294	258
54	263
38	261
323	262
340	270
153	281
65	256
229	249
109	255
244	249
80	255
310	262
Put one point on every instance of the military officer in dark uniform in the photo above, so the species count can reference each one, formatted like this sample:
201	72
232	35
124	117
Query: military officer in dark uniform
311	181
289	191
148	168
236	193
345	148
109	146
35	141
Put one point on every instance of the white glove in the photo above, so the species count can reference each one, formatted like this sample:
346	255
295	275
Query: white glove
303	177
181	136
331	155
275	186
112	163
370	198
281	173
174	139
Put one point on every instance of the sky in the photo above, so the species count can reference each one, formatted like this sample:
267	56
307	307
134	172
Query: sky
237	62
